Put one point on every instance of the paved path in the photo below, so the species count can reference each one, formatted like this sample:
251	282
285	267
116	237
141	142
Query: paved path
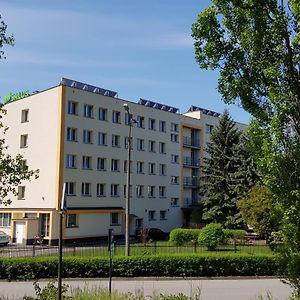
211	289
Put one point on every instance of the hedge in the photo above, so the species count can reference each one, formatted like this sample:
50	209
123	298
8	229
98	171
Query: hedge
181	236
193	265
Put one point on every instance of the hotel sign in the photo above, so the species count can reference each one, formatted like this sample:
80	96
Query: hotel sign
15	96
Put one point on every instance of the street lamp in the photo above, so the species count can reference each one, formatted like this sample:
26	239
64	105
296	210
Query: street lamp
127	203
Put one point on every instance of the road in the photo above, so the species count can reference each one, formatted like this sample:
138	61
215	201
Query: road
210	289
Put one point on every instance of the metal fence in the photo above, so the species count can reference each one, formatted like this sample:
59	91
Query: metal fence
96	249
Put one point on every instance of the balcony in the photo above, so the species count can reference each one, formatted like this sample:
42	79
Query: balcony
190	202
191	163
191	182
191	142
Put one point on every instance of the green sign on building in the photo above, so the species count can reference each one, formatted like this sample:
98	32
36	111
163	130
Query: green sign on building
15	96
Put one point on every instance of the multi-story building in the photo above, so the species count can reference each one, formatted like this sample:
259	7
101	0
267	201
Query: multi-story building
77	134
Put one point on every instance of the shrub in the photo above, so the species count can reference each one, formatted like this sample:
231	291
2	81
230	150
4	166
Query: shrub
192	265
234	234
211	235
183	236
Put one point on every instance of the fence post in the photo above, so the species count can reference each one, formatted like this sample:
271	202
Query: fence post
74	248
195	247
33	250
155	247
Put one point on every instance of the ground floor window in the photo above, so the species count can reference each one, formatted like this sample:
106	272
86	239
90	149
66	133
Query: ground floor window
114	219
5	219
45	224
72	220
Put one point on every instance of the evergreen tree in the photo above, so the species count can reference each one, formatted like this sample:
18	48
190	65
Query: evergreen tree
227	174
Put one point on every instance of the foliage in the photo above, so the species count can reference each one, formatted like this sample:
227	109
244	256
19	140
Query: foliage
256	47
191	265
4	38
211	235
228	174
260	210
184	236
234	234
49	292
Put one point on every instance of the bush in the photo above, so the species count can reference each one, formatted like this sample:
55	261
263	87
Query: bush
234	234
193	265
183	236
211	236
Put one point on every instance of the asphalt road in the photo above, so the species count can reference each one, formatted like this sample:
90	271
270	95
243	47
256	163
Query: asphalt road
210	289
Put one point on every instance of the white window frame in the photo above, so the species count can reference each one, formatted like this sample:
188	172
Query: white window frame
88	111
86	189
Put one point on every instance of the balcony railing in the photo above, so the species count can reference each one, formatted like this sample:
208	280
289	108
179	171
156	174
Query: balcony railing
189	162
191	182
191	142
189	202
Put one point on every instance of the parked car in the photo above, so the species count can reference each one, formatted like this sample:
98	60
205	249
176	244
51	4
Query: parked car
4	238
153	234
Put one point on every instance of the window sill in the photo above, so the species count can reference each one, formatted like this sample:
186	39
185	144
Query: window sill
115	196
104	145
86	195
101	196
73	226
71	195
115	224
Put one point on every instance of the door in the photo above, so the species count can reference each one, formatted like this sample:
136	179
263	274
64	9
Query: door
19	233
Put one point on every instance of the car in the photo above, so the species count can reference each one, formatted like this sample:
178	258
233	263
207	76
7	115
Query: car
153	234
4	238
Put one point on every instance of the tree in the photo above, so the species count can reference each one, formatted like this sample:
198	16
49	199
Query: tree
256	47
260	210
225	174
4	38
13	170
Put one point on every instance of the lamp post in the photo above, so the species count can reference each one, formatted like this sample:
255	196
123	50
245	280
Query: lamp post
127	203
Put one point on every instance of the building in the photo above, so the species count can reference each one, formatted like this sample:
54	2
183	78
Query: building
77	134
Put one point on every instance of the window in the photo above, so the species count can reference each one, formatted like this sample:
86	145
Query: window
45	224
162	214
152	147
71	134
115	142
100	189
24	141
114	219
139	191
140	122
86	189
24	115
72	108
174	159
151	168
70	189
152	124
162	192
140	167
21	192
116	117
162	169
174	201
125	166
208	128
101	164
174	138
88	111
126	142
87	136
102	114
86	162
71	220
175	179
71	161
125	190
5	219
151	215
140	144
115	165
127	119
174	127
114	190
102	138
151	191
162	126
162	148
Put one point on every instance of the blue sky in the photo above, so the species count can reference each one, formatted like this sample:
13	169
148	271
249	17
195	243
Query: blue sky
140	49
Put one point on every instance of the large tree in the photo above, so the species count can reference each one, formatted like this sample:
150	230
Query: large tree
226	176
256	47
13	169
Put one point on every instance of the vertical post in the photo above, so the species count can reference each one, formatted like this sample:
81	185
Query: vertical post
111	250
60	255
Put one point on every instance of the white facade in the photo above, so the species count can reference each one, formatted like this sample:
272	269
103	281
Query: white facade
77	134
